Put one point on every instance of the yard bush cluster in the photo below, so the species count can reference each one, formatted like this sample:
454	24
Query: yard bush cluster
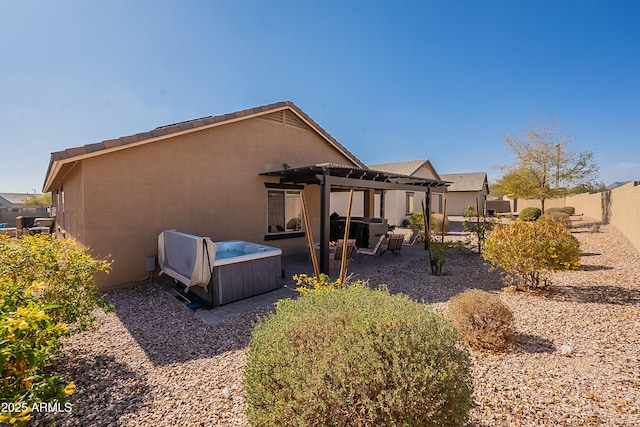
356	356
483	321
529	251
47	291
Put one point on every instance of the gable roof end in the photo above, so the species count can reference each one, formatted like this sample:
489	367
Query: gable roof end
408	167
470	181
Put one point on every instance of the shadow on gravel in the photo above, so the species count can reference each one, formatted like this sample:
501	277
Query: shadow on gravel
587	267
168	332
105	391
595	294
463	270
526	343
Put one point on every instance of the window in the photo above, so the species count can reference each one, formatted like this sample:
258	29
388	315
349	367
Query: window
409	203
284	211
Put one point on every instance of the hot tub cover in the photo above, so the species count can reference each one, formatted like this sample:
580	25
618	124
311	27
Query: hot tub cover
187	258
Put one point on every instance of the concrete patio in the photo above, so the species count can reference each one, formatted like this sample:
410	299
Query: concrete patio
360	267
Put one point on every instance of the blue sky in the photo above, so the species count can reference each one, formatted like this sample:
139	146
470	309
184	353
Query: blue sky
391	81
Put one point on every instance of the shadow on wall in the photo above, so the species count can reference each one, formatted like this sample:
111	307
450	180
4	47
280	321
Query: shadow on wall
606	203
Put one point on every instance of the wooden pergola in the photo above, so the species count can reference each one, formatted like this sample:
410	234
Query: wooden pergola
343	178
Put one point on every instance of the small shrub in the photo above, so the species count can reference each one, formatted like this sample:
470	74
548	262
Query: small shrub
416	222
480	228
528	251
530	214
483	321
356	356
438	254
438	221
558	216
569	210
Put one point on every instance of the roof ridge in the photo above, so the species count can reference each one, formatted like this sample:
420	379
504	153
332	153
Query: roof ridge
186	125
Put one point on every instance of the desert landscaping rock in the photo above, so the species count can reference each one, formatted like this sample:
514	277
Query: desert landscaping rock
575	359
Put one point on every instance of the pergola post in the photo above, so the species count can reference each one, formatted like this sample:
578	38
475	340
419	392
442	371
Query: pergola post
325	201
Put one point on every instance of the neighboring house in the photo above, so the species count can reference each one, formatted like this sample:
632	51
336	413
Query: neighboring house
463	191
12	200
395	205
399	205
236	176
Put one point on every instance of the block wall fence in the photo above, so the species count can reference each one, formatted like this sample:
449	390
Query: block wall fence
619	207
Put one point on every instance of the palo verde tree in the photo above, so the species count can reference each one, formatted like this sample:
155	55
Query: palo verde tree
544	166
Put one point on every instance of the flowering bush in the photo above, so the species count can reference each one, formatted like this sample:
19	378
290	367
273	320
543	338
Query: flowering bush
529	251
67	269
47	291
29	338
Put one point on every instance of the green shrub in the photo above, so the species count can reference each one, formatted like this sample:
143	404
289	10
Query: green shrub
528	251
483	321
558	216
67	270
437	222
355	356
416	222
530	214
569	210
29	339
438	254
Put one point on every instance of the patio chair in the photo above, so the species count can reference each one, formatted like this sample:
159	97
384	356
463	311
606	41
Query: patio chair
335	257
376	248
412	239
394	244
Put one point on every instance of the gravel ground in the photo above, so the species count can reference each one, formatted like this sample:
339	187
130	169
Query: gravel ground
575	360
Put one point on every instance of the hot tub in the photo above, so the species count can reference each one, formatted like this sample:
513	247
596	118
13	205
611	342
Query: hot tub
241	270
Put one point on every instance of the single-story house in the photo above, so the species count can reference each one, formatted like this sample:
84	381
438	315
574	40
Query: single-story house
463	191
397	205
236	176
12	200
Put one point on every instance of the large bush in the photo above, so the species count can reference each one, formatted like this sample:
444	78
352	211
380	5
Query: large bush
483	321
529	251
356	356
47	291
530	214
66	269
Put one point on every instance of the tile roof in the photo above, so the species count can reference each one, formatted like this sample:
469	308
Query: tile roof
14	198
469	181
167	130
408	167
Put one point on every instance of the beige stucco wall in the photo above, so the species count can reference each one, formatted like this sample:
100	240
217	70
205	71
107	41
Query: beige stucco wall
620	207
205	183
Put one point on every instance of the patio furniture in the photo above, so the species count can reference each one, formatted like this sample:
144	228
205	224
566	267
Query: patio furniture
412	239
376	248
394	244
335	257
